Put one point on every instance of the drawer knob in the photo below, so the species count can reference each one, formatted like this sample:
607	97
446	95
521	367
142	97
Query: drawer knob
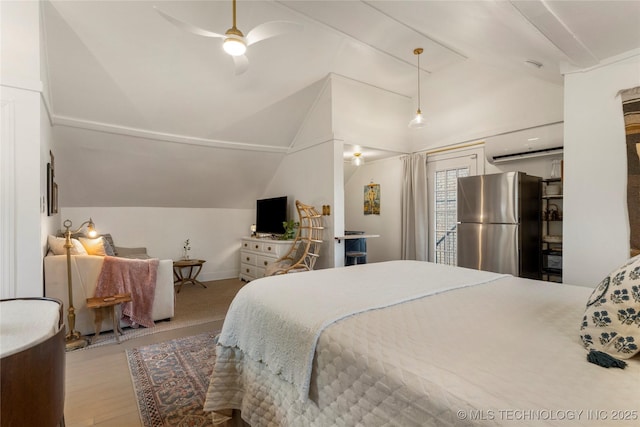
269	248
248	258
247	270
246	244
256	246
265	263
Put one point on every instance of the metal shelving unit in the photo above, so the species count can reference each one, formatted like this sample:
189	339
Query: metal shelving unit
551	254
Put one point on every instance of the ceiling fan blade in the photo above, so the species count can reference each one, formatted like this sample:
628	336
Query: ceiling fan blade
242	63
187	27
271	29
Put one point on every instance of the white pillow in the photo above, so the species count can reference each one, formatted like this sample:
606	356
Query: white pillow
93	246
56	245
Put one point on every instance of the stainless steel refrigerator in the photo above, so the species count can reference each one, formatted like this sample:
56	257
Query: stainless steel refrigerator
499	223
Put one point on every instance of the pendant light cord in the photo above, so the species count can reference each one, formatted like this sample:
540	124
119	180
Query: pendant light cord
419	82
418	52
418	120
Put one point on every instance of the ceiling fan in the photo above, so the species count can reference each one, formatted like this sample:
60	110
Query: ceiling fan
235	42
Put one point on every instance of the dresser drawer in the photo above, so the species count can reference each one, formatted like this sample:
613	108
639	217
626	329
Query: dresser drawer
252	245
256	254
248	258
263	260
248	270
270	248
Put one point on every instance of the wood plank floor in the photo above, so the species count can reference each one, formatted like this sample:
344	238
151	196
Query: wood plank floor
99	391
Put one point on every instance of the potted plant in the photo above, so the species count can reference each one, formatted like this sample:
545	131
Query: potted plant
290	228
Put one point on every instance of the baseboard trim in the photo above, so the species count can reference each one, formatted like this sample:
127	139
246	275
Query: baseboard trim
219	275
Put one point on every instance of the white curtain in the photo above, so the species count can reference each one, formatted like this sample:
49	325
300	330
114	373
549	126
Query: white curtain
415	226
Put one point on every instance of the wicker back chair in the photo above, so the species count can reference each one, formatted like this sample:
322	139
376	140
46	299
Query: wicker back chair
305	249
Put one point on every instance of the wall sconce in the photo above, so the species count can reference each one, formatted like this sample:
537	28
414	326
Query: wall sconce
326	210
74	339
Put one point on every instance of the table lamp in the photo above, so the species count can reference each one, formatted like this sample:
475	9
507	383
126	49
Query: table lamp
74	339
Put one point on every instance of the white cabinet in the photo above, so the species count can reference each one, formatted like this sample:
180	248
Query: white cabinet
255	254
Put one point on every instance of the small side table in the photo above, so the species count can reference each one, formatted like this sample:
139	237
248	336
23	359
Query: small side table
192	277
112	304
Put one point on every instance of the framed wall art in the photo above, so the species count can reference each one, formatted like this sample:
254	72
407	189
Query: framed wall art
52	187
372	199
49	189
54	204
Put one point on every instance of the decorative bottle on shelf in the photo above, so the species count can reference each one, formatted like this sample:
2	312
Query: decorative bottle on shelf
556	169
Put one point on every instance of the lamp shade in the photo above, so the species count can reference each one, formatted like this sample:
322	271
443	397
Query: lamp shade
418	121
91	229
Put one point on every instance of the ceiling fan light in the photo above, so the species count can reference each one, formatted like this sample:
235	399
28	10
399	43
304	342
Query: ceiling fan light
234	46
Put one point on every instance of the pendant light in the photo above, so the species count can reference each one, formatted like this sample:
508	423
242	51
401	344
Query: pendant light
418	121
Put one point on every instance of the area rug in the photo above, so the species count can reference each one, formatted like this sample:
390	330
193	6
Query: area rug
194	306
106	338
170	380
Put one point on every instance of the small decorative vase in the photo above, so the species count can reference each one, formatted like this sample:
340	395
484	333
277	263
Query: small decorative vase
185	255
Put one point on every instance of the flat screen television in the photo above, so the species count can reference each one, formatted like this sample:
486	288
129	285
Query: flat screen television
270	214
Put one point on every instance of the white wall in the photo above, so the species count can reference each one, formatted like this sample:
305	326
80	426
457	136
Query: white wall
308	175
20	42
387	173
21	181
369	116
596	227
214	234
49	224
317	125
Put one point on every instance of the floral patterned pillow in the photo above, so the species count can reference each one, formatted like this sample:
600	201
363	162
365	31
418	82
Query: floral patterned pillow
611	322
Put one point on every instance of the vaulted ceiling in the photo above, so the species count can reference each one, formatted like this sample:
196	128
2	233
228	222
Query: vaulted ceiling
147	114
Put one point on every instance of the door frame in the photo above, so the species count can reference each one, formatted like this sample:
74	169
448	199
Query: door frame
455	157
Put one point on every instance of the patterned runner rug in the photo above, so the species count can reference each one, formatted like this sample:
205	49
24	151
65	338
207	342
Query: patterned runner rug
170	380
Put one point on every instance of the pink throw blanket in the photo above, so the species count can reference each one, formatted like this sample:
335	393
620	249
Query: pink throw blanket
134	276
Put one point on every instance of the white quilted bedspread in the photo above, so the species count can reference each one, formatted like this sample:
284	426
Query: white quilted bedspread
277	320
503	353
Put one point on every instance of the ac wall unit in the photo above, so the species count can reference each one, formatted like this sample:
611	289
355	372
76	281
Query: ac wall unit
527	143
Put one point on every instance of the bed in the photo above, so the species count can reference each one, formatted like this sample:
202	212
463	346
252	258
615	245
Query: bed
414	343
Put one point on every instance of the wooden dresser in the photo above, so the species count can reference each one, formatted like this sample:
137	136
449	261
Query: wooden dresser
256	253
